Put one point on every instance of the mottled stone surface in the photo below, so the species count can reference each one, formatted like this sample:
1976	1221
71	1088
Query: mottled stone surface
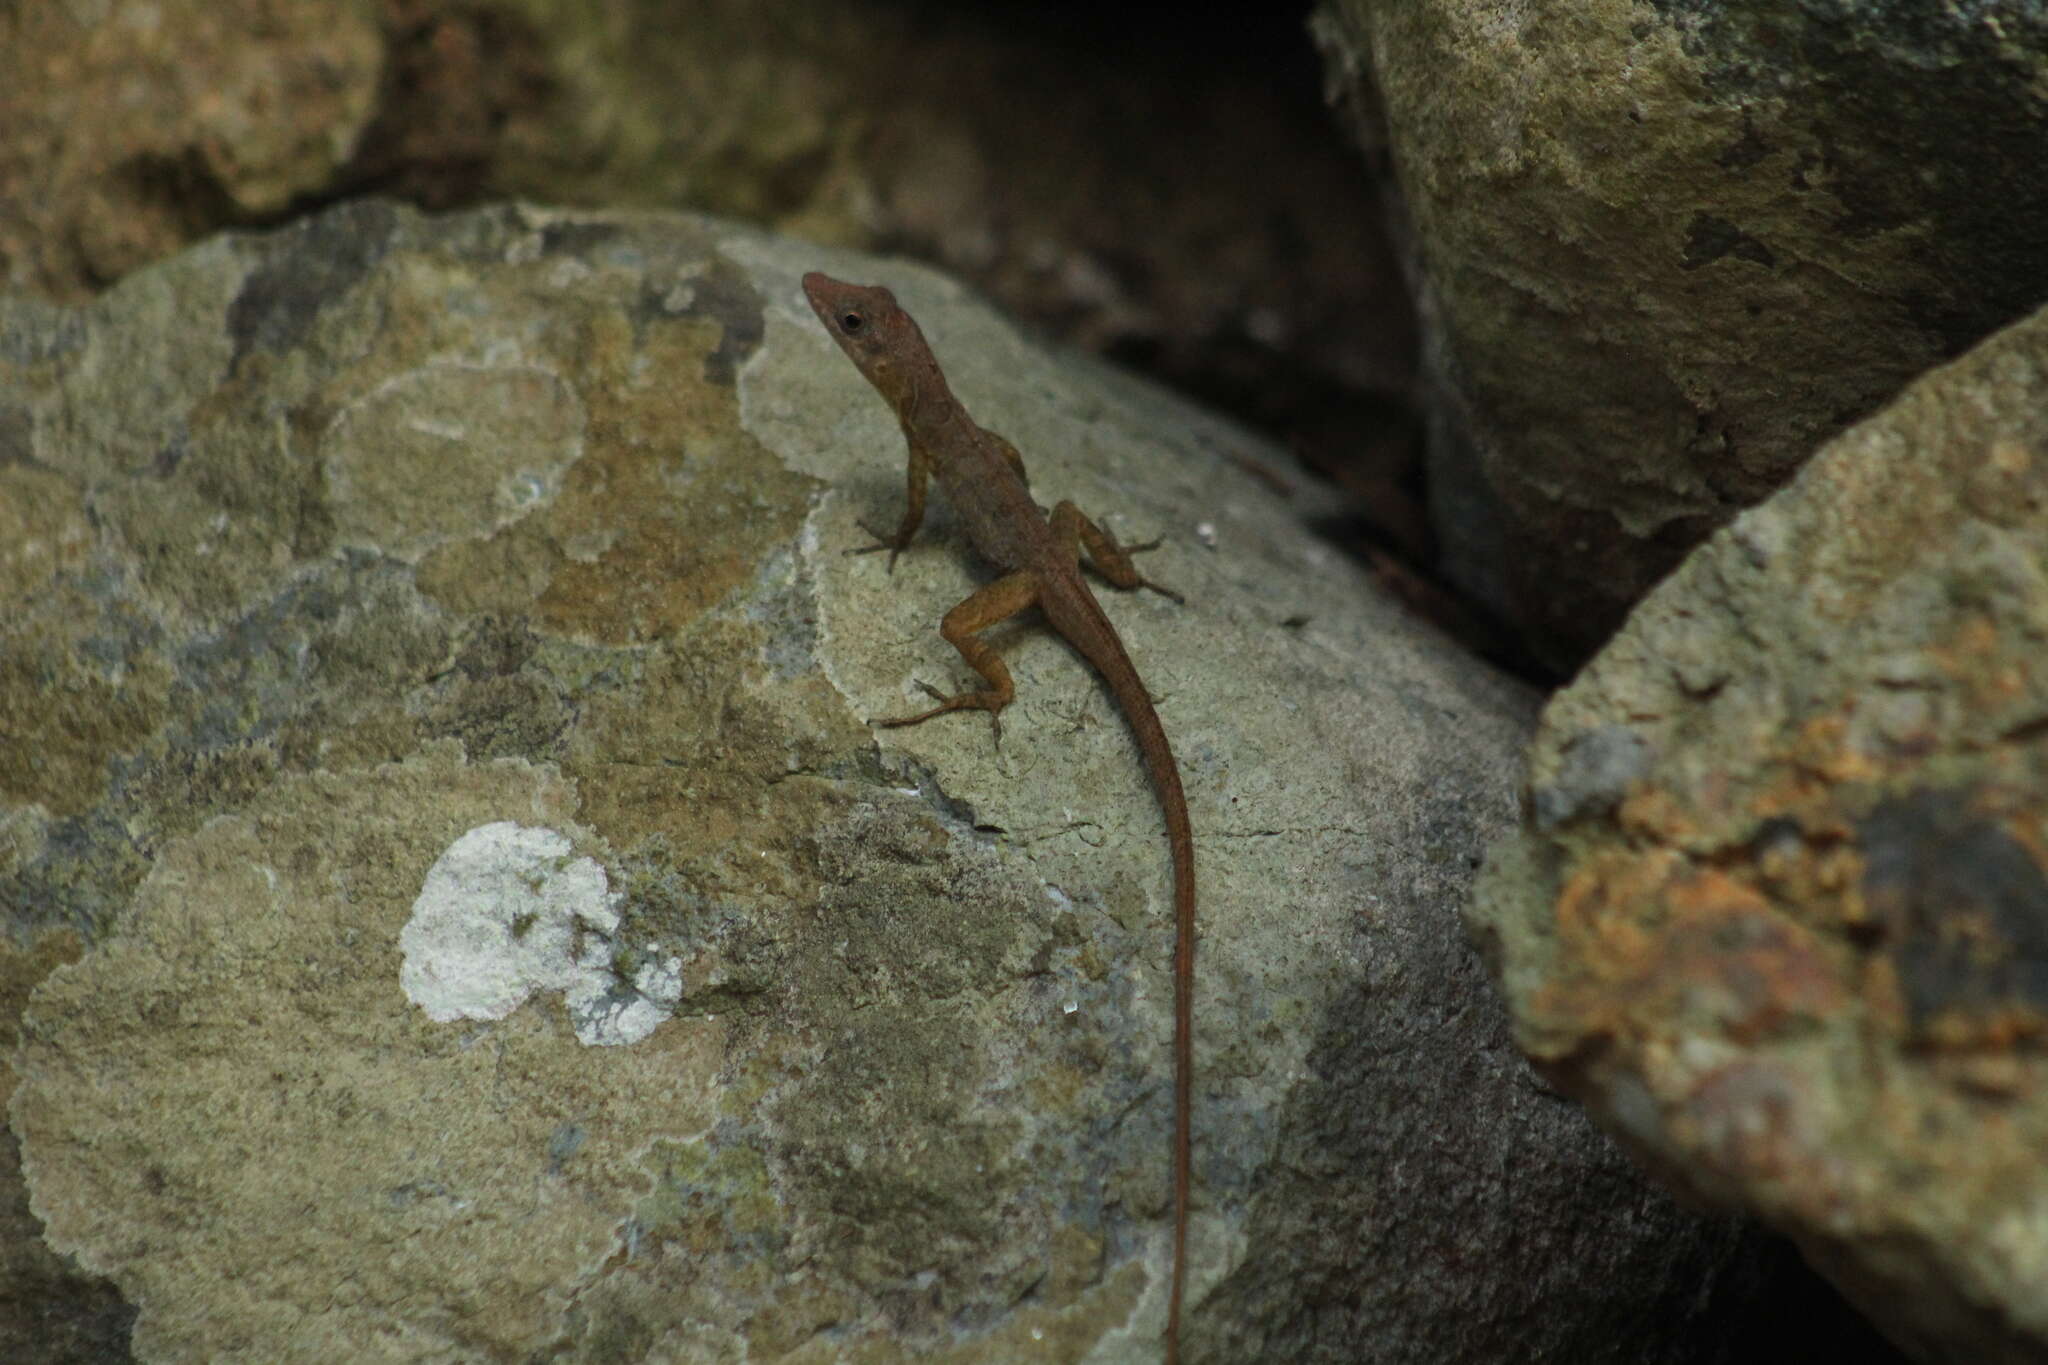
49	1309
133	128
1663	250
388	565
1018	149
1780	915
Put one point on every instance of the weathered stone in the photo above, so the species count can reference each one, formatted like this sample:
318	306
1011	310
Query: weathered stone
49	1310
130	130
1664	250
1794	949
472	594
132	133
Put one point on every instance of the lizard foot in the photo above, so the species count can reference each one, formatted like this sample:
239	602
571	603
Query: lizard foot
962	701
1159	588
894	545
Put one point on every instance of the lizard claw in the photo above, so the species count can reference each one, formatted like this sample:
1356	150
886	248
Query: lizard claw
882	542
1159	588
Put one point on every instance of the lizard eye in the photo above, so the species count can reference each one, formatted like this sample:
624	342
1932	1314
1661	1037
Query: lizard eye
851	323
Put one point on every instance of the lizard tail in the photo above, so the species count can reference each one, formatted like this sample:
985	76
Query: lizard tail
1181	840
1122	676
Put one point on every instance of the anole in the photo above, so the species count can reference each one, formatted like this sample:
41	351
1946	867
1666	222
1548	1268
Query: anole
1039	559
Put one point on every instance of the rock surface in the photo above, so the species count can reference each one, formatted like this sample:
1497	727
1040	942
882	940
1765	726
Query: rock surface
135	131
1780	917
436	710
1662	251
49	1309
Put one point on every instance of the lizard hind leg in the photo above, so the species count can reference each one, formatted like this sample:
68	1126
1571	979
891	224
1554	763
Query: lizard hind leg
1113	561
997	602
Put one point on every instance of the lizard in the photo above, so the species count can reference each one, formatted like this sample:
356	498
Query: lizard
1038	555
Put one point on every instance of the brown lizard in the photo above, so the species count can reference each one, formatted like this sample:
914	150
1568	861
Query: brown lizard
1039	558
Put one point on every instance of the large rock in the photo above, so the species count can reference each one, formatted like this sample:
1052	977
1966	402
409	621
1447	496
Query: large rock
1780	916
129	134
132	132
436	694
1663	251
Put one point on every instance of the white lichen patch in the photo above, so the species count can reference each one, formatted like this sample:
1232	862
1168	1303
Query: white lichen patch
507	911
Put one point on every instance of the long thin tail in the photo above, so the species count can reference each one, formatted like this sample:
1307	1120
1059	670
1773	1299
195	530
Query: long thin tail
1121	674
1180	838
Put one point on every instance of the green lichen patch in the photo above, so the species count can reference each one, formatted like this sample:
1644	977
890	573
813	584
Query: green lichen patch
43	529
63	718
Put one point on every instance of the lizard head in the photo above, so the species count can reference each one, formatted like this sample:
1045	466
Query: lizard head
877	335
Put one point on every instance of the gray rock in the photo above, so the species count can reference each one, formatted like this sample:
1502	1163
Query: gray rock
1799	962
1662	251
435	707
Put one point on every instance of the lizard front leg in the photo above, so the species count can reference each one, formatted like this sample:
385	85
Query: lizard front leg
999	601
1113	561
913	511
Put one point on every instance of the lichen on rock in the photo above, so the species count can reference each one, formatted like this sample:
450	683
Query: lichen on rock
1781	914
505	912
467	610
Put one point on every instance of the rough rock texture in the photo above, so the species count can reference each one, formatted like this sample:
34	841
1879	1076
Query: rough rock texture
1663	250
132	129
49	1311
1781	914
394	592
1020	150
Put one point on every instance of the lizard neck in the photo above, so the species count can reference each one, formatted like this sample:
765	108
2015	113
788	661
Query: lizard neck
928	411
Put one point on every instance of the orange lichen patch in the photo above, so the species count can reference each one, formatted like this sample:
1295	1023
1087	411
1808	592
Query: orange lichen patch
1991	668
1817	880
1655	813
1997	1028
1605	949
676	503
1712	893
1652	947
1792	794
1822	804
1601	910
1822	748
1974	639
